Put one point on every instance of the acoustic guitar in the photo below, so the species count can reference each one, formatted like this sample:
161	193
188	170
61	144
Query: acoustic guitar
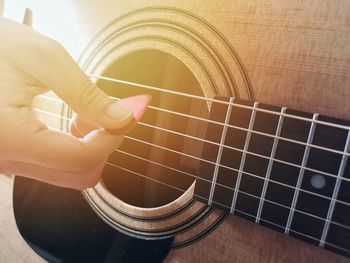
243	154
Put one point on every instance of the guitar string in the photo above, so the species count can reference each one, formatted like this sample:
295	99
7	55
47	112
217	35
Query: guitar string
242	192
236	170
238	210
148	87
217	144
293	208
213	163
335	193
224	186
270	164
222	124
296	232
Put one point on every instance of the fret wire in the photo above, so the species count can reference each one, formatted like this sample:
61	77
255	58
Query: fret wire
224	186
216	101
305	213
215	143
297	210
221	124
294	231
244	154
301	174
227	167
236	170
328	243
218	158
179	189
269	167
267	200
227	187
214	202
335	192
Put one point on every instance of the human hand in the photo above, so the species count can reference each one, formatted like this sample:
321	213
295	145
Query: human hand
31	64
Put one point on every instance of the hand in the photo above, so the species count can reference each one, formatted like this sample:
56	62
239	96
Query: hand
31	64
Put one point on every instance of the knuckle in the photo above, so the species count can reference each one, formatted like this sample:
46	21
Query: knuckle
89	97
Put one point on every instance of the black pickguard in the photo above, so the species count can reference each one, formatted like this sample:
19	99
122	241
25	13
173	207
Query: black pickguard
60	226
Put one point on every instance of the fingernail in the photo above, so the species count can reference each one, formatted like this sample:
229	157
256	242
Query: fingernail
117	112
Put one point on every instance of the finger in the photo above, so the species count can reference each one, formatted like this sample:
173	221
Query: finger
137	104
32	142
59	72
79	128
78	181
54	69
64	152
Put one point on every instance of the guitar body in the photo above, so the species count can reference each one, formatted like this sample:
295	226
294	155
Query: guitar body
286	53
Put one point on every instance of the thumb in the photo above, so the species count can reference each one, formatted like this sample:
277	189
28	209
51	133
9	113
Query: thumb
94	106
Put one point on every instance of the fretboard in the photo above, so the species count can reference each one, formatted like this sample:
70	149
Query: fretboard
281	168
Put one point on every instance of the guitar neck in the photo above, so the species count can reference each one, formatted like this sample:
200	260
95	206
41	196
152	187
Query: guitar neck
281	168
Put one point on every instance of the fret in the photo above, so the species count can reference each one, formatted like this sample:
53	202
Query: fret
244	154
269	168
342	212
214	132
338	240
232	153
285	174
301	173
337	234
335	191
320	188
257	158
218	159
279	179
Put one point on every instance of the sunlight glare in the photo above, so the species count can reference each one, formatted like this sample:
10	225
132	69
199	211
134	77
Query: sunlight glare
55	19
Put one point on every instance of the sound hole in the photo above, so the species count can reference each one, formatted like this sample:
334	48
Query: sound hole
139	163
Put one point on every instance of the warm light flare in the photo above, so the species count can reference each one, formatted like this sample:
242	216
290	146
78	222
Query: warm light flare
55	19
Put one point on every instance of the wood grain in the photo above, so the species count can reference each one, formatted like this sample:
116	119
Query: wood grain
12	246
237	240
296	54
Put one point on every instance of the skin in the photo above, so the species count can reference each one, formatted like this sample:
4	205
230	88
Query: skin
32	64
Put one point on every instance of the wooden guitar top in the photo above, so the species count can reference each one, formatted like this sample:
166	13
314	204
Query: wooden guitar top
287	53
